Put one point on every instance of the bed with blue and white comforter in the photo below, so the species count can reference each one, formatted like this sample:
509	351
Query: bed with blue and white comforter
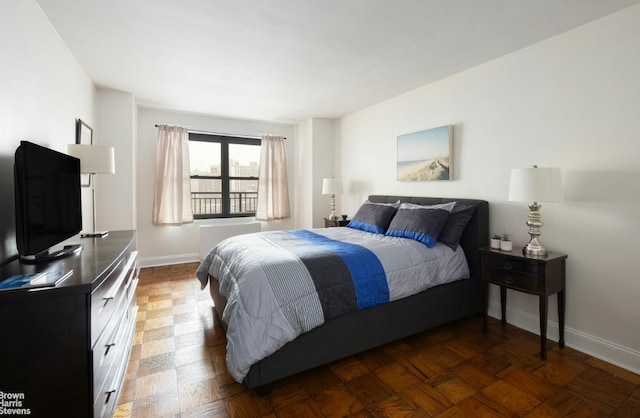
280	284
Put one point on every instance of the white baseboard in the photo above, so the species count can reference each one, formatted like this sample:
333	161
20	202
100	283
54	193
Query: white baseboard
608	351
169	260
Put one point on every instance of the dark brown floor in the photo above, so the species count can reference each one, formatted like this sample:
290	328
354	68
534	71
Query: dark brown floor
177	369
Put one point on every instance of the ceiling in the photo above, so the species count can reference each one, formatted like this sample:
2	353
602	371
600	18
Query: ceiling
290	60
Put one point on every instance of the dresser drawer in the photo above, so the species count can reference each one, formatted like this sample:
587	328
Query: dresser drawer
108	349
112	342
106	394
105	299
110	294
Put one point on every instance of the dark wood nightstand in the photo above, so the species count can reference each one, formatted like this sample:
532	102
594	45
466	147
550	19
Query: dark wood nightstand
329	223
538	276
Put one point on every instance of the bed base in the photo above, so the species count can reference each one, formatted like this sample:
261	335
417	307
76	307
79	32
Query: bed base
366	329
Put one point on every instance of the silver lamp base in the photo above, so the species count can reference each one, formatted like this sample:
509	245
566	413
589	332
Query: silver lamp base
332	204
534	248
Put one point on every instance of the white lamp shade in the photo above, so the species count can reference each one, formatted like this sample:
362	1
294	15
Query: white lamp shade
538	184
331	186
96	159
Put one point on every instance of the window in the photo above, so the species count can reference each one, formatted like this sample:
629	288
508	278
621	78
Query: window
224	175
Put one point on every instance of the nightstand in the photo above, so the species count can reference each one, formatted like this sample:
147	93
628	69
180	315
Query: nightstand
542	276
329	223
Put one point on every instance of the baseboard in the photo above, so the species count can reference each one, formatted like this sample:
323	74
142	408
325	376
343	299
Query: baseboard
169	260
597	347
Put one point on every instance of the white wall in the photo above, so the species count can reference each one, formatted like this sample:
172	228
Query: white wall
43	91
304	175
323	166
173	244
571	102
116	193
315	162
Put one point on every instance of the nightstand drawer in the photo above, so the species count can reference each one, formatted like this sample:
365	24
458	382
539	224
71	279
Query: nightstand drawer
509	265
514	280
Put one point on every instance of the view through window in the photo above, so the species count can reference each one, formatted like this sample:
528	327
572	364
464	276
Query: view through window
224	175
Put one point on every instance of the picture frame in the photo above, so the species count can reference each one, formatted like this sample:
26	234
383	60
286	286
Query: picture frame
84	135
426	155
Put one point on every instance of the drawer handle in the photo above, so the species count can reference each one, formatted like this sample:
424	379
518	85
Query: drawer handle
123	275
508	280
108	348
109	393
507	266
116	336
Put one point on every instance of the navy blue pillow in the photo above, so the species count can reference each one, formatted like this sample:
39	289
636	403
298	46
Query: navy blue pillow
421	223
456	222
373	217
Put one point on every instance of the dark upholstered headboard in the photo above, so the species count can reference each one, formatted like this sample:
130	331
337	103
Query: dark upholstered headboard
475	235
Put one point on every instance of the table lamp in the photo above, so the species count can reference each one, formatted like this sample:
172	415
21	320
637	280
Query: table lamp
94	159
332	186
537	184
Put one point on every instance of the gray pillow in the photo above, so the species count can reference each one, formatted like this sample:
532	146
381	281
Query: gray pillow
456	222
418	222
373	217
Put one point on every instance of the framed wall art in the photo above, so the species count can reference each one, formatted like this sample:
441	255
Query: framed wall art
84	135
426	155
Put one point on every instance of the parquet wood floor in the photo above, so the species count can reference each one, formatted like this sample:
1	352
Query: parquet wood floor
177	369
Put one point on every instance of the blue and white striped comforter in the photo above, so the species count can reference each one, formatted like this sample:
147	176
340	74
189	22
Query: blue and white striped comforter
280	284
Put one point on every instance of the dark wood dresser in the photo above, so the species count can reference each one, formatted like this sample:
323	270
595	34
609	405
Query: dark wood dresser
64	350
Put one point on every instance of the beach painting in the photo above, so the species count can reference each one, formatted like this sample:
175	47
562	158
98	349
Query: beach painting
426	155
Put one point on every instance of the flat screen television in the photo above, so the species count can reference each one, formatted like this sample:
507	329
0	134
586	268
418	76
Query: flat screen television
48	202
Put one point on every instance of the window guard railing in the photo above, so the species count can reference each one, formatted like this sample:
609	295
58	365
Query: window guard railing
210	203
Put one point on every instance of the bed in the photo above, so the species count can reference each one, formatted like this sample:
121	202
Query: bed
361	320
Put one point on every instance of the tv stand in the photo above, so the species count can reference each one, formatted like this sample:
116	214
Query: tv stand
47	256
64	349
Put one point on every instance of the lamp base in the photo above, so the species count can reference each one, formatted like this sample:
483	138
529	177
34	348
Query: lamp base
97	234
332	205
534	221
534	249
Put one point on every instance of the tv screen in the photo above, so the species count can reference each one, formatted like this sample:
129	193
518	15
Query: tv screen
48	200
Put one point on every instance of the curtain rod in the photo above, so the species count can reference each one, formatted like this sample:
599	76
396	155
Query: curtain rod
195	131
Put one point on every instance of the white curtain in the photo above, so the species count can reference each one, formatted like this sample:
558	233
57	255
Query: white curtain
172	195
273	191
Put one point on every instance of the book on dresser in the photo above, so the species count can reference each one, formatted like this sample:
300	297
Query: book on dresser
35	280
